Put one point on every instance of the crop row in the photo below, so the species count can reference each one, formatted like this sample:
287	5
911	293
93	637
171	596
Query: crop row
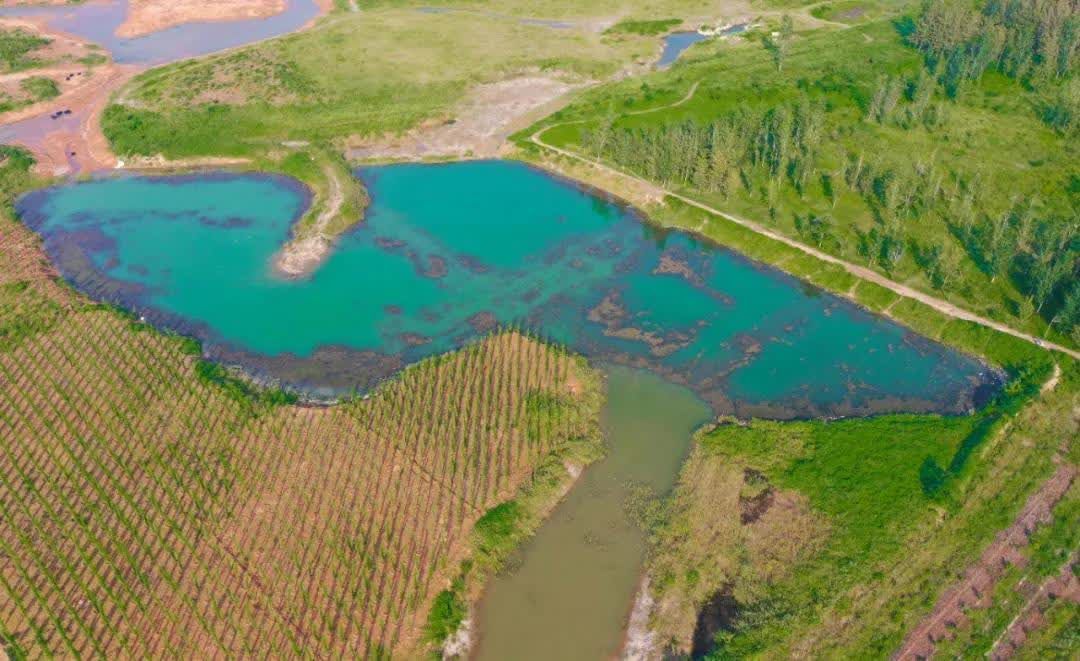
148	513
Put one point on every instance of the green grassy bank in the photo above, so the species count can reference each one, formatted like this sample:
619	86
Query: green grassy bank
856	545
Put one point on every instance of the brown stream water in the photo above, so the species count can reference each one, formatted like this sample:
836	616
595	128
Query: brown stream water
570	595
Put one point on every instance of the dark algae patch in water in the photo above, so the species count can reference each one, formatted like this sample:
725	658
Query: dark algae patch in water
450	252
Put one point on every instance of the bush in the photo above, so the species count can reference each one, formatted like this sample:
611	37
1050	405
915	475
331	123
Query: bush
497	532
447	613
40	88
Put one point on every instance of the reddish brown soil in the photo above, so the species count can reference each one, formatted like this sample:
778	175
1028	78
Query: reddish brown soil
76	143
974	589
72	142
1063	585
146	16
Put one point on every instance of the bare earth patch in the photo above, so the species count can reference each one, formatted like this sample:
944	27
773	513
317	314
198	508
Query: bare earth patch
479	127
146	16
310	246
64	133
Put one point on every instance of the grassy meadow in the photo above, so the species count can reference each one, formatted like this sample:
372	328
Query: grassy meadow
383	70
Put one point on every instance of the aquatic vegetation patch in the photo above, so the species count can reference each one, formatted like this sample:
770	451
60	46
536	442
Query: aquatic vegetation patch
428	273
644	27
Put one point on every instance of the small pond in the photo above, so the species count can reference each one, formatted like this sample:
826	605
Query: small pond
677	42
451	252
674	45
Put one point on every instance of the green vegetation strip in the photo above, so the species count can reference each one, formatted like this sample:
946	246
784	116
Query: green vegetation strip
873	523
16	48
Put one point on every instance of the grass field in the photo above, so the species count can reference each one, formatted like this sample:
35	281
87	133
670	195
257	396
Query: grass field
847	549
17	48
990	147
349	76
156	503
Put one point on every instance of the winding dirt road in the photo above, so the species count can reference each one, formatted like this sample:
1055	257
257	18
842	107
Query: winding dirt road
943	306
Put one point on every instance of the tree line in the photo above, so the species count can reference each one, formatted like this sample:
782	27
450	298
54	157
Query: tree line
1038	250
782	142
1032	40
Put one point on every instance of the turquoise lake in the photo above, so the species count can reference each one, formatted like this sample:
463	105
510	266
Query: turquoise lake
451	252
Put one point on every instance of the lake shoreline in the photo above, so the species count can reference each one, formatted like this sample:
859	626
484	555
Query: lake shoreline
360	370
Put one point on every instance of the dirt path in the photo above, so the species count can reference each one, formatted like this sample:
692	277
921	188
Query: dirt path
805	14
73	143
1052	382
685	99
311	245
975	588
479	126
47	72
862	272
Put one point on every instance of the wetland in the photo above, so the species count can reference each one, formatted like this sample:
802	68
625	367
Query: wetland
451	252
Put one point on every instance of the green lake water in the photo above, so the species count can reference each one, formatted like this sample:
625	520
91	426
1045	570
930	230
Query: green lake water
449	252
570	595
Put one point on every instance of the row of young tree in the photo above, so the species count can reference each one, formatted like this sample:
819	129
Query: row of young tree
1033	40
782	142
1038	251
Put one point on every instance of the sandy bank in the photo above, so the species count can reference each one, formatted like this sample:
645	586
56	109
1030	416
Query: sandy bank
147	16
313	237
301	256
478	127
